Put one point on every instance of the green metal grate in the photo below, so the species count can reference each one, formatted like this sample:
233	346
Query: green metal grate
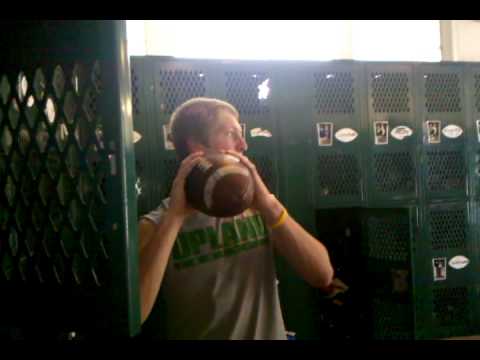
390	92
450	306
338	175
242	90
179	86
391	321
388	238
448	228
394	172
334	92
53	176
266	170
442	93
445	170
476	78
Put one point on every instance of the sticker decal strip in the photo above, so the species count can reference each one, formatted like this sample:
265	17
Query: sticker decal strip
452	131
433	131
381	132
166	138
325	133
346	135
439	269
401	132
459	262
478	130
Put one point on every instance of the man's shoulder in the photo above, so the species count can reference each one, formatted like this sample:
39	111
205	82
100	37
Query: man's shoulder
156	214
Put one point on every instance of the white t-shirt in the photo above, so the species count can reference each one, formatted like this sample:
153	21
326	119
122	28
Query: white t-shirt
220	281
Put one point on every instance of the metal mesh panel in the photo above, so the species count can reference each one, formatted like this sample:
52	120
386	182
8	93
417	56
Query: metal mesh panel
242	90
447	228
477	91
55	169
445	170
337	175
334	92
388	238
391	320
135	91
170	167
390	92
450	306
394	172
179	86
266	170
442	93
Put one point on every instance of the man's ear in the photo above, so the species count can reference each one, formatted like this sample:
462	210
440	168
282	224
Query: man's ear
194	146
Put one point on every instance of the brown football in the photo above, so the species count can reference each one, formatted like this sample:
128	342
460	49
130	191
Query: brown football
220	185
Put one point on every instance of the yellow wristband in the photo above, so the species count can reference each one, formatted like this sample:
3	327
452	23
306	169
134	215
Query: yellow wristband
281	219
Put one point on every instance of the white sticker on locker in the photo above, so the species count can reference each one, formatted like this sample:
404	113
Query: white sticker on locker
459	262
325	133
478	130
166	138
433	131
401	132
381	132
255	132
439	269
346	135
452	131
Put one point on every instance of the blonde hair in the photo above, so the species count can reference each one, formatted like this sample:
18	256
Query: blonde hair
194	119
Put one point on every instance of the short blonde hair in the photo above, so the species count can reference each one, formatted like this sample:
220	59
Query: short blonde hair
194	119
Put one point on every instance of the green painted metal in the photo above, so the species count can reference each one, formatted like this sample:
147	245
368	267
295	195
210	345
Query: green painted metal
68	241
427	191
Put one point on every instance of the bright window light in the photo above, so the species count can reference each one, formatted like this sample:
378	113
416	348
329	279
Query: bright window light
380	40
247	39
136	38
396	40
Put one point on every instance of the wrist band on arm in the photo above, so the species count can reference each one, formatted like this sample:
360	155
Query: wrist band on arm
281	219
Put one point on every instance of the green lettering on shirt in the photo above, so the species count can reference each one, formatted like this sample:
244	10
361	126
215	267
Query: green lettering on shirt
230	237
181	248
203	245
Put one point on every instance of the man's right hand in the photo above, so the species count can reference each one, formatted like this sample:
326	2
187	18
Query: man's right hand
179	207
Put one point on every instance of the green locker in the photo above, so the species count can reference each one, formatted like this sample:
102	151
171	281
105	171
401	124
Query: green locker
338	129
392	134
446	295
442	118
379	160
68	231
388	244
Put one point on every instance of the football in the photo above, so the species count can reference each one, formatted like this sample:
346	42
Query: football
220	185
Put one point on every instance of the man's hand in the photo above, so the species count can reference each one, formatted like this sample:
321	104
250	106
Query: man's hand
263	201
179	208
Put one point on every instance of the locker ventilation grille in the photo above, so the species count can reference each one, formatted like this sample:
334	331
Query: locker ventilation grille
334	93
178	86
442	93
338	175
390	92
243	92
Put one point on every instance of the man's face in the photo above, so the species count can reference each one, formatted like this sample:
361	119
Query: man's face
226	134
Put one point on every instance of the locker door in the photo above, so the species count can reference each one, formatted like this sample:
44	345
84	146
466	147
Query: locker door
389	236
68	236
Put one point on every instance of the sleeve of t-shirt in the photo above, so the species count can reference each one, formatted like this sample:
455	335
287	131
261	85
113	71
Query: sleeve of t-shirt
156	215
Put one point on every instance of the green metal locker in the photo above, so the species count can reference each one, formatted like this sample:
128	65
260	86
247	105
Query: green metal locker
68	235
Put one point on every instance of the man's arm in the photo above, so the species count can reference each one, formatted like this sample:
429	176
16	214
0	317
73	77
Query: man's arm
307	255
156	241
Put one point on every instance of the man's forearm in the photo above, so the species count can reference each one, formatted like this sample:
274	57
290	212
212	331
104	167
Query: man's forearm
307	255
154	259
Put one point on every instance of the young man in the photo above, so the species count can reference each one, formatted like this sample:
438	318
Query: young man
218	274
